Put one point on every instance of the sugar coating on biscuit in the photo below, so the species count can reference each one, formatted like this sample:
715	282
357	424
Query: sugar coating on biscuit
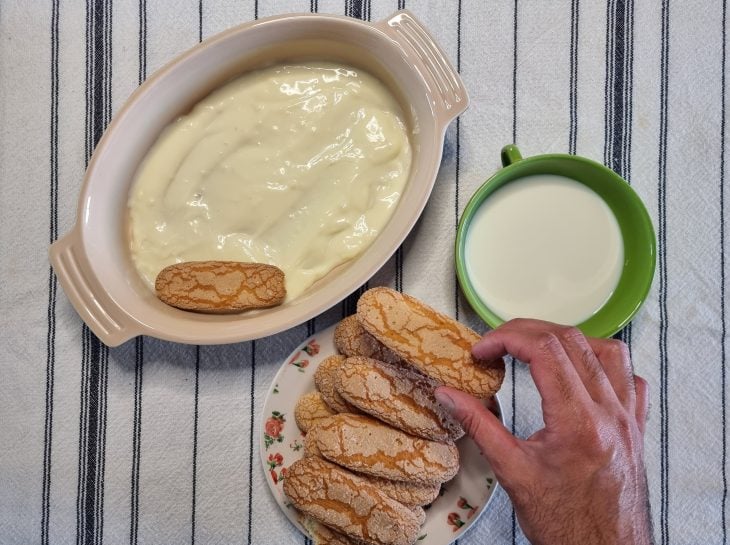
325	383
351	339
322	534
310	447
397	394
220	286
429	340
309	409
408	493
348	503
364	444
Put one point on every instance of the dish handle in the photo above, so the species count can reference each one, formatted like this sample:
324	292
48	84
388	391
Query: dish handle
97	309
448	94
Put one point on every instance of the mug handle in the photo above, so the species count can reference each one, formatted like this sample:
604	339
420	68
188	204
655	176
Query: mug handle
510	154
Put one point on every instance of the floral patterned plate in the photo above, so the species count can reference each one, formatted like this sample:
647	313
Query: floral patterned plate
462	499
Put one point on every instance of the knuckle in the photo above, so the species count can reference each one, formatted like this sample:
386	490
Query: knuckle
618	349
604	442
548	343
593	368
572	334
595	443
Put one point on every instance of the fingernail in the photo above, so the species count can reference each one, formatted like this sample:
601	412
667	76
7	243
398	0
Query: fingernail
445	399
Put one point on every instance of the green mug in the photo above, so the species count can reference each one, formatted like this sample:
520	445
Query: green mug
637	233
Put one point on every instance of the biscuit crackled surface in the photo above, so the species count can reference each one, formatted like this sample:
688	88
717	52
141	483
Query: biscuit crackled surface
364	444
436	344
220	286
351	339
309	409
348	503
324	535
324	380
397	394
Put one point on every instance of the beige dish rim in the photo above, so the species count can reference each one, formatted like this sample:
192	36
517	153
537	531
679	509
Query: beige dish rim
92	262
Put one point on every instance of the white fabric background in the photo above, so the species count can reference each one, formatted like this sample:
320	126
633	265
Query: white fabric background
640	86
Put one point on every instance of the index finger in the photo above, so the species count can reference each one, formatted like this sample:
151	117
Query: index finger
552	371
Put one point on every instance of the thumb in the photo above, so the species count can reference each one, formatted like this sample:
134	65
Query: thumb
493	439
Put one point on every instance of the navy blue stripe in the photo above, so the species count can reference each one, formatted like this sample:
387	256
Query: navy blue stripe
139	341
628	91
574	27
102	448
200	21
104	351
52	281
514	75
457	165
142	42
195	442
663	278
618	105
457	162
82	437
94	387
252	394
196	396
136	441
628	121
616	92
723	323
607	125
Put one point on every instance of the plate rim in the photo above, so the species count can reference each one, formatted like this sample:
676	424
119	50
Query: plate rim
263	454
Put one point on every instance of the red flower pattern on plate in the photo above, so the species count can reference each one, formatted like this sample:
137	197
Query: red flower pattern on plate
312	348
273	428
454	520
274	461
462	503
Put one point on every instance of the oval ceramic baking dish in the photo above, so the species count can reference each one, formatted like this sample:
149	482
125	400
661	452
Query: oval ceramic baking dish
93	261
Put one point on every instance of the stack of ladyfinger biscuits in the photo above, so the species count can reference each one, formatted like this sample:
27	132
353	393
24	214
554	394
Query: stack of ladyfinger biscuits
378	446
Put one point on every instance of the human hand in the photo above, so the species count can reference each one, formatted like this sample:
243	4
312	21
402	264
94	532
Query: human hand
581	478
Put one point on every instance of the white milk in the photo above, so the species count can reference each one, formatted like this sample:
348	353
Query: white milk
544	247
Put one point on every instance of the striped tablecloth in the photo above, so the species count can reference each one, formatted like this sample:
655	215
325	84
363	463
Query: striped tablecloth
154	442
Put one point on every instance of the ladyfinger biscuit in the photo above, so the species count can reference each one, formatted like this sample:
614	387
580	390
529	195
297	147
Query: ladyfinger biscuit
220	286
351	339
407	493
310	443
324	380
397	394
419	513
324	535
363	444
348	503
437	345
309	409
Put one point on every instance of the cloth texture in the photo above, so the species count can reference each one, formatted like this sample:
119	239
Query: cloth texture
154	442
